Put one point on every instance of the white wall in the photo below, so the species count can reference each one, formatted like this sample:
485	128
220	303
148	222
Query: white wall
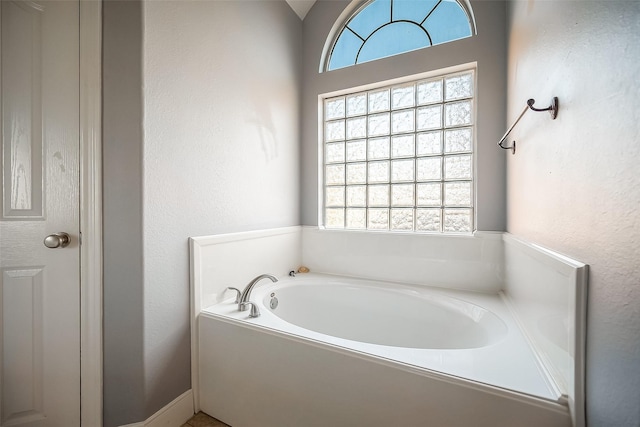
487	48
573	184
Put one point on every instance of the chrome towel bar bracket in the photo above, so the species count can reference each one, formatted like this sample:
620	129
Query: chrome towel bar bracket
552	109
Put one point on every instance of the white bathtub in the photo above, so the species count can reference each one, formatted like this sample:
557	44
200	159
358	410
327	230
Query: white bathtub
353	352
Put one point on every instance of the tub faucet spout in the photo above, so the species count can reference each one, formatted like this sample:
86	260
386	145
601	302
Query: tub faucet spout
244	298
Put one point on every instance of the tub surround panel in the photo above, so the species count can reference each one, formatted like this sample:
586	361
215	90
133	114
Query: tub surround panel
548	294
455	262
289	384
233	259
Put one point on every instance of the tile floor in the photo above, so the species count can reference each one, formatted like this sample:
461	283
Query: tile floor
203	420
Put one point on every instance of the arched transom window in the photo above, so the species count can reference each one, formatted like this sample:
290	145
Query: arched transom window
383	28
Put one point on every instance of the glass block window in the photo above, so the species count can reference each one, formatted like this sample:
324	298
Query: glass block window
385	28
400	157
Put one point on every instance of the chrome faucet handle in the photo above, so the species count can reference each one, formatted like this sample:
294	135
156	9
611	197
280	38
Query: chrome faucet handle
247	290
254	308
238	293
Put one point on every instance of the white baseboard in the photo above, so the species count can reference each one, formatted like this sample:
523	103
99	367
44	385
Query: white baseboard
174	414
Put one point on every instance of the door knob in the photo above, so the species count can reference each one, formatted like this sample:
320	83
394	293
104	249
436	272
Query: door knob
57	240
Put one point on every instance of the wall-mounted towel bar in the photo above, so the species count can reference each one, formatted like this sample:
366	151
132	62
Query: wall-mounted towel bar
553	109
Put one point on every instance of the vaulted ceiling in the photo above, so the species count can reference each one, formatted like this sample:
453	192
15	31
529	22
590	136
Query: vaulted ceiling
301	7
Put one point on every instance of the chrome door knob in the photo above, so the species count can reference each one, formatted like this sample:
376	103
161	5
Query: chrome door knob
57	240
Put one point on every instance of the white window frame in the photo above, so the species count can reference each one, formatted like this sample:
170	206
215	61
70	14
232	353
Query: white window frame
354	9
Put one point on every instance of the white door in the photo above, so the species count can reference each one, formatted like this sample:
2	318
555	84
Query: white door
39	286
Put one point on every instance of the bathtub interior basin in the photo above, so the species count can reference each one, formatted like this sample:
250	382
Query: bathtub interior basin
375	315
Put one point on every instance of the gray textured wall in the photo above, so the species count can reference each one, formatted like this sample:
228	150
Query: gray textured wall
201	136
487	48
122	202
573	185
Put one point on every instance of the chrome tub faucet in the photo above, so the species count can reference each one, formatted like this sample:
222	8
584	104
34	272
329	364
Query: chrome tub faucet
243	302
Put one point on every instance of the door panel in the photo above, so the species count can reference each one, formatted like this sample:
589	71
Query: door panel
39	287
22	109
